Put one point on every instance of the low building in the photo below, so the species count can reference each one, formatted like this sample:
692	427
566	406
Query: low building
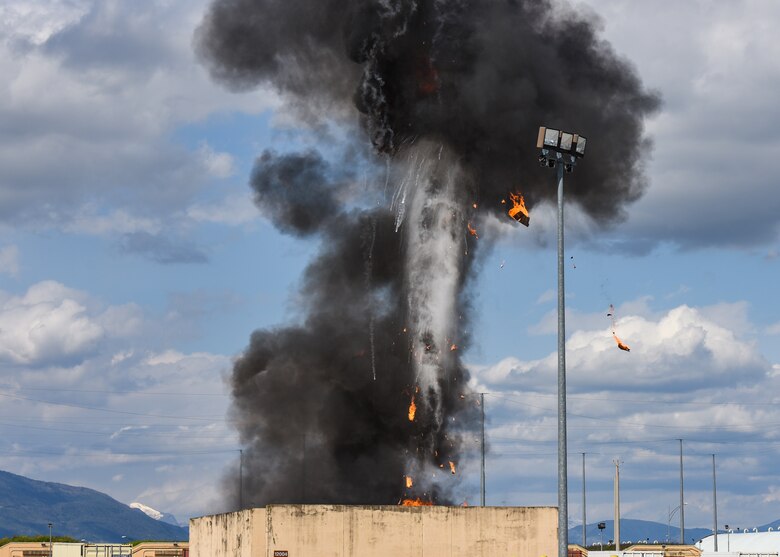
161	549
378	531
62	549
755	544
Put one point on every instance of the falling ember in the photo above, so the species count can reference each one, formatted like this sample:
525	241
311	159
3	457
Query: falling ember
412	410
416	503
518	210
453	347
409	481
472	230
620	344
474	205
452	467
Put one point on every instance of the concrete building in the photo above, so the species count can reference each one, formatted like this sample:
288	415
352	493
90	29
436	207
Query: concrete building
376	531
161	549
62	549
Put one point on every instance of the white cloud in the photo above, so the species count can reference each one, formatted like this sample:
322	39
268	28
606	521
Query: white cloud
235	209
92	108
9	260
219	165
46	324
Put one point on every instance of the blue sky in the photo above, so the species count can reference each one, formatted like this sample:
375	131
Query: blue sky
134	266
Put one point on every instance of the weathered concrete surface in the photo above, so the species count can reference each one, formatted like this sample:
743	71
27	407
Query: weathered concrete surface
380	531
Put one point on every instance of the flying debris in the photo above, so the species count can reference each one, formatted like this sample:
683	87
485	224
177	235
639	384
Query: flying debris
518	210
472	230
620	343
502	264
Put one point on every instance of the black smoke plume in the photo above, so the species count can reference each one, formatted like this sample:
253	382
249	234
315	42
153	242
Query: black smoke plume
321	406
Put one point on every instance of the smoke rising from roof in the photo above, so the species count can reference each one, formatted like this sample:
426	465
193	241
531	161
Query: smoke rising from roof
451	94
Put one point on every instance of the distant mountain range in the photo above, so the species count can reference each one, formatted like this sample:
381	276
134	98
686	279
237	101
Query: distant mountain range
641	530
27	506
636	531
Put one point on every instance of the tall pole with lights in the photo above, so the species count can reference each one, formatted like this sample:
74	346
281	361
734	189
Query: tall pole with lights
560	150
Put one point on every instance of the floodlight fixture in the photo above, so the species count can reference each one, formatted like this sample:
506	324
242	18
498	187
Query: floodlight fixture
551	138
579	145
566	141
561	142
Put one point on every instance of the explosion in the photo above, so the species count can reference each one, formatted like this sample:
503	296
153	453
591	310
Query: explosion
322	405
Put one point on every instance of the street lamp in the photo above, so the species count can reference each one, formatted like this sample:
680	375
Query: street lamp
669	522
50	551
559	149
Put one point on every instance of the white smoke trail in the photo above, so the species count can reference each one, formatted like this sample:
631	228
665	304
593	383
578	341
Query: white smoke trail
434	228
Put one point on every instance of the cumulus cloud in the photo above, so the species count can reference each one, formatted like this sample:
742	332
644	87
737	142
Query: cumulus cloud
682	348
92	92
693	374
48	323
713	175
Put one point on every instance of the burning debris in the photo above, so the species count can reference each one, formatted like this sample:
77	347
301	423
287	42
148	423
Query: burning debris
416	503
439	103
412	409
518	210
620	344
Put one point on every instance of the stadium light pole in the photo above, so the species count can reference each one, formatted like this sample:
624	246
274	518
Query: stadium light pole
560	150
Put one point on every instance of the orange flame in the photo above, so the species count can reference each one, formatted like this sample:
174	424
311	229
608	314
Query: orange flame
412	409
518	210
472	230
409	481
620	343
416	503
452	467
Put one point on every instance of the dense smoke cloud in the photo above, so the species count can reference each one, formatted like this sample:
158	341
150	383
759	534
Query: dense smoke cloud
450	94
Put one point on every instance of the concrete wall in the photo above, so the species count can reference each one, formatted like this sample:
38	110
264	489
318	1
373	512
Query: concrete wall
381	531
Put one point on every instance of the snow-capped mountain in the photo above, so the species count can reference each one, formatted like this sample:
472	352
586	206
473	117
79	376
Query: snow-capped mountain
154	513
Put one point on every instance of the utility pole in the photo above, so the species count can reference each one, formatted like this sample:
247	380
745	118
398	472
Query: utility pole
714	506
482	477
50	547
584	521
682	499
240	479
617	504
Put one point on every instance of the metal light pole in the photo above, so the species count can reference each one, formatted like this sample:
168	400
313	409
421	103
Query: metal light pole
560	150
50	547
682	500
584	522
482	476
714	505
617	505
